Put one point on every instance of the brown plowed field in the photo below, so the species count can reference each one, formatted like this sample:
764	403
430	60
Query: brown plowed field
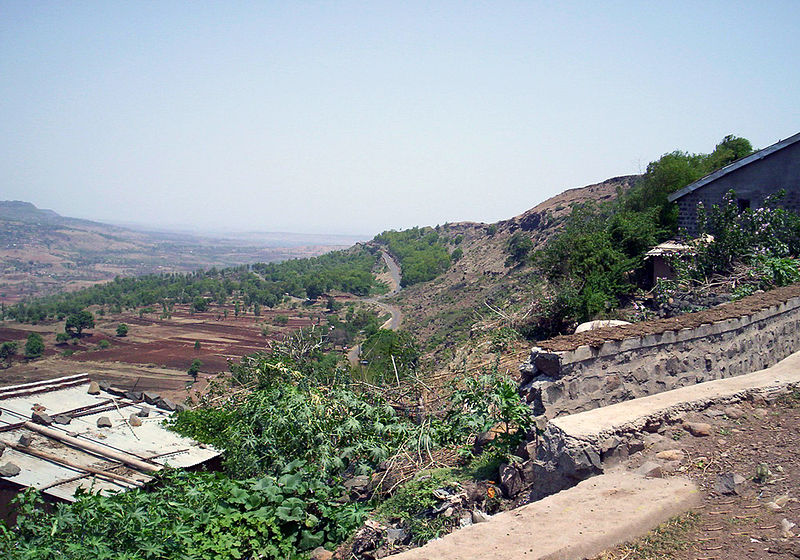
157	351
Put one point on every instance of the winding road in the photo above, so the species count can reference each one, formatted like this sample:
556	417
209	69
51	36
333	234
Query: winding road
393	323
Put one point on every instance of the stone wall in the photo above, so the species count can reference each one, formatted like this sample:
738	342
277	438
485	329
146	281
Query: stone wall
557	383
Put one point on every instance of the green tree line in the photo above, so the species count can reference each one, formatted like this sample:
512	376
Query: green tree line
261	284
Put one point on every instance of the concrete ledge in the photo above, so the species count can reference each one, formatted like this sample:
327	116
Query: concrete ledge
632	415
581	522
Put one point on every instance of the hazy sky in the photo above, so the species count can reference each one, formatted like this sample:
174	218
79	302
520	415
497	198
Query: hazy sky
354	117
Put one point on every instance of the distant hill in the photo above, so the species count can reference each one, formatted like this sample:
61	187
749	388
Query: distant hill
42	252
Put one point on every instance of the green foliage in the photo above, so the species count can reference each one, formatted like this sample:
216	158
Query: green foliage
104	344
456	255
122	330
77	322
674	171
491	230
194	369
190	516
589	264
287	445
34	346
378	350
745	234
518	248
421	254
280	320
197	345
199	304
490	401
596	261
7	351
412	503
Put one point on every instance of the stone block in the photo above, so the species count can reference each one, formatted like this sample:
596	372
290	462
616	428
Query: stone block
609	348
549	363
41	418
632	343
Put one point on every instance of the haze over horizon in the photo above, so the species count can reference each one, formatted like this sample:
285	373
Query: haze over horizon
353	118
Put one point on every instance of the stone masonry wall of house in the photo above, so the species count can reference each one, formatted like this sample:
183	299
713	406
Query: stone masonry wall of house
753	182
557	383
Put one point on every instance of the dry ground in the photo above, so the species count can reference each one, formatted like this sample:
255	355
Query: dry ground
762	447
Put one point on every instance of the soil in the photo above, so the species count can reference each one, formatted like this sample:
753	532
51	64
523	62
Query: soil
744	525
157	351
732	310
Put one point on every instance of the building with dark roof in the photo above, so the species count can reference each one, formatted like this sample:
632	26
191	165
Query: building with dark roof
753	178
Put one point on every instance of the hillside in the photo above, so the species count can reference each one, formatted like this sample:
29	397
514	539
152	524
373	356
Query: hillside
446	311
42	252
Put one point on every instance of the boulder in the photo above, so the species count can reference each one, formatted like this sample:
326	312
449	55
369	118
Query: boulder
671	455
116	391
2	448
650	469
9	469
357	486
698	429
320	553
94	388
104	422
134	396
41	418
144	412
165	404
134	420
180	407
104	385
479	517
635	445
25	440
729	484
734	412
62	419
511	480
150	397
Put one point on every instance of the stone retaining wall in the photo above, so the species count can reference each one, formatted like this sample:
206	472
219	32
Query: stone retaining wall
556	383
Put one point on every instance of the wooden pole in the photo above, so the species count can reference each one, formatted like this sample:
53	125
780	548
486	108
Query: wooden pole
86	468
124	458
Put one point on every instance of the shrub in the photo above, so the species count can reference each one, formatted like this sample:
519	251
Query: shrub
34	346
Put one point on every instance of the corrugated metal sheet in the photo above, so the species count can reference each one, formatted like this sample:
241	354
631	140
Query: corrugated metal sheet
151	442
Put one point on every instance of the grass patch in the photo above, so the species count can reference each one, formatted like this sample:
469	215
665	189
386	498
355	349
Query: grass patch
662	543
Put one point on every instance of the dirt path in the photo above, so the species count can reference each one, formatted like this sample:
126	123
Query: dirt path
393	323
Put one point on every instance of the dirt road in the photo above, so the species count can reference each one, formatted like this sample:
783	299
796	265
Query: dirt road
393	323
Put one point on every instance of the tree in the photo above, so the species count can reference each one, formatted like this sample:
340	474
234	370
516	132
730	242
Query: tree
122	330
194	369
518	247
197	345
34	346
200	304
7	351
77	322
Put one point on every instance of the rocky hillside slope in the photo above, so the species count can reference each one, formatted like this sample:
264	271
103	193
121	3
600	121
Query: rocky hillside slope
451	310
